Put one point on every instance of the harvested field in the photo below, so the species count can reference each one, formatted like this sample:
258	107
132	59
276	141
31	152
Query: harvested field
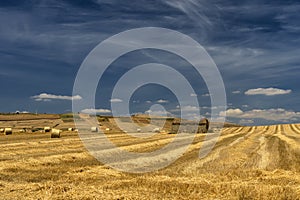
246	163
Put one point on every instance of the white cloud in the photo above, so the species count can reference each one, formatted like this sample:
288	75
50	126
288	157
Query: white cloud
236	92
162	101
190	109
48	97
218	119
22	112
116	100
187	108
193	95
206	95
246	121
148	101
45	100
267	91
231	113
95	111
158	112
194	10
205	107
278	114
192	116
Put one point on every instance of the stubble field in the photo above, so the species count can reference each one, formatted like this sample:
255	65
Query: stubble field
246	163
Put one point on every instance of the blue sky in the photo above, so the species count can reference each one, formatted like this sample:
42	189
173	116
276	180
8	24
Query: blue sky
255	45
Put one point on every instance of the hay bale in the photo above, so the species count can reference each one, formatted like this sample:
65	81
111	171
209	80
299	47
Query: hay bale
55	133
8	131
107	129
156	130
47	129
71	129
138	130
1	130
94	129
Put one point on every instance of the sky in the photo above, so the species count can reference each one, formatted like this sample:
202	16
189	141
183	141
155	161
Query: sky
255	45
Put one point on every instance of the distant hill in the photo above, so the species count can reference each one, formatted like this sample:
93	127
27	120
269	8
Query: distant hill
225	125
64	121
27	116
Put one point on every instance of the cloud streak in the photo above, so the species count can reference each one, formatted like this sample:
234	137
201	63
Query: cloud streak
236	92
162	101
267	91
274	114
95	111
116	100
49	97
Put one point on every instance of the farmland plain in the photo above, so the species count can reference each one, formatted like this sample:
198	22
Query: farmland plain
259	162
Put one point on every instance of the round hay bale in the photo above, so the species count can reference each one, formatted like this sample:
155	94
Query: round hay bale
94	129
107	129
47	129
23	130
156	130
1	130
8	131
138	130
55	133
